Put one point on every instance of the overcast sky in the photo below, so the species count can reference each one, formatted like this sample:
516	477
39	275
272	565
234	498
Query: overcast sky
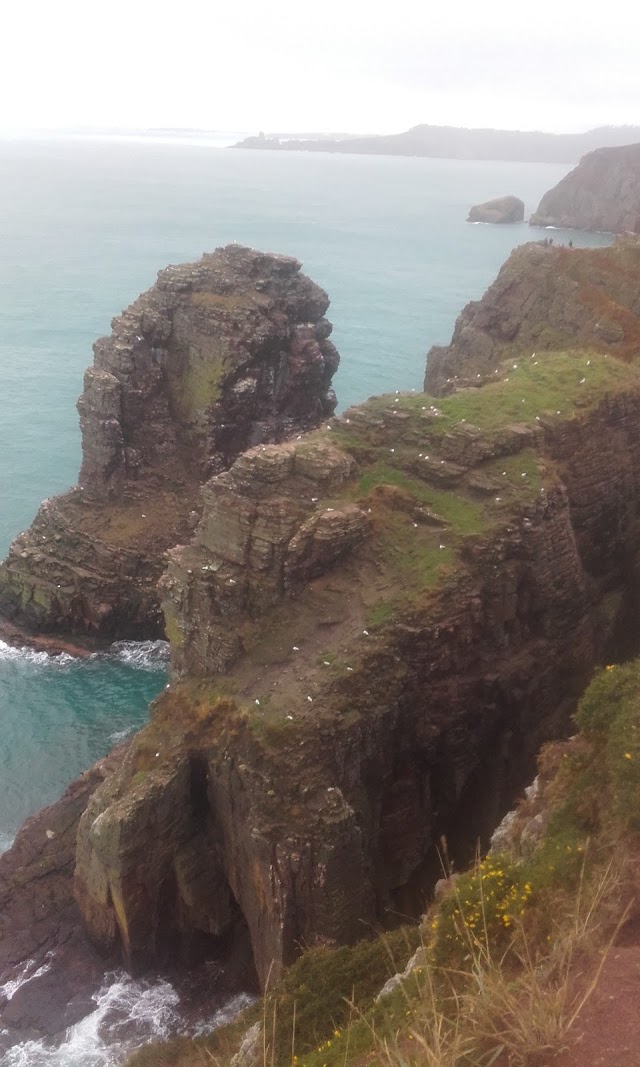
345	65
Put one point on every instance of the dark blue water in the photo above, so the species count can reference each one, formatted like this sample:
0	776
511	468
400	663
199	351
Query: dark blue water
85	226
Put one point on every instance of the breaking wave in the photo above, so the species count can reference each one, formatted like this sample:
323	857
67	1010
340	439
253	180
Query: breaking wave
10	654
142	655
129	1013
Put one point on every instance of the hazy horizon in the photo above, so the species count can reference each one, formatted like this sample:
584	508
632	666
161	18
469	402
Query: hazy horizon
347	66
88	130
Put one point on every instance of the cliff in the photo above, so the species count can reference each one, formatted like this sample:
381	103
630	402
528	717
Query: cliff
374	627
373	630
601	193
545	298
451	142
217	356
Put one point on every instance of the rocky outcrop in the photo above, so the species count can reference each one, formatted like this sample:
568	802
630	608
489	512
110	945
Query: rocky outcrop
545	298
601	193
502	209
265	533
373	630
216	357
341	709
48	967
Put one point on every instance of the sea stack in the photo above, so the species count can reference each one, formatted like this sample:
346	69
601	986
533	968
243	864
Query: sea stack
503	209
219	355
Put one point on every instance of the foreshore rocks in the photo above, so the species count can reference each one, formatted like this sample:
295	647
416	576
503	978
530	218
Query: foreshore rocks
45	953
504	209
218	356
601	193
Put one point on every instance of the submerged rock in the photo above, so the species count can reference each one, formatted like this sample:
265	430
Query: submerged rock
601	193
216	357
502	209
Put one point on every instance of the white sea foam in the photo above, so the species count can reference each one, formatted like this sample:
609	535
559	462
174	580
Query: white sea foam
29	971
118	736
129	1013
145	655
29	655
6	841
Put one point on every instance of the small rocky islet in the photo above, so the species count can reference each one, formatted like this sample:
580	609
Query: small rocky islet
376	619
501	210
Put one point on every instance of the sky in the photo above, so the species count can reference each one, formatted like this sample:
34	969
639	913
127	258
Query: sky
338	65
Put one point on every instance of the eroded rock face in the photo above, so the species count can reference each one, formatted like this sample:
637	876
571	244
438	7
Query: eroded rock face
374	628
216	357
545	298
314	782
48	966
503	209
601	193
263	536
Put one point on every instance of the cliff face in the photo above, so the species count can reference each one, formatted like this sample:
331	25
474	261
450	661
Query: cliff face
374	628
602	193
545	298
217	356
373	631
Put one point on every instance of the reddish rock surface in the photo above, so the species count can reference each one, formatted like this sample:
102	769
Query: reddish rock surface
545	298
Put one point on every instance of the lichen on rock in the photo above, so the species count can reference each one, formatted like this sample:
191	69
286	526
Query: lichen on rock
218	356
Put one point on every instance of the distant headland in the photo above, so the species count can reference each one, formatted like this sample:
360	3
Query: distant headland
452	142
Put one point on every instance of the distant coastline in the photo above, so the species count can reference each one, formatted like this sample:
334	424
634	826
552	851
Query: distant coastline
451	142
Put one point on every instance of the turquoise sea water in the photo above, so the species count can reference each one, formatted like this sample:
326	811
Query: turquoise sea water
84	227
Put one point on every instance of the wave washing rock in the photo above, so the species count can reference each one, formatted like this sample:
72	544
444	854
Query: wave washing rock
48	967
601	193
216	357
373	631
545	298
502	209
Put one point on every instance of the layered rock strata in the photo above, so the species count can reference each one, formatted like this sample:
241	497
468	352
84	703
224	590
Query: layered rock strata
373	631
503	209
545	298
601	193
216	357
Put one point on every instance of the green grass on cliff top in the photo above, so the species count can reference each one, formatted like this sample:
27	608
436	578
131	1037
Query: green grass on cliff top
547	385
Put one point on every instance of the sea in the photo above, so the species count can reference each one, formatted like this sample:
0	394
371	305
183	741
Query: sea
85	224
